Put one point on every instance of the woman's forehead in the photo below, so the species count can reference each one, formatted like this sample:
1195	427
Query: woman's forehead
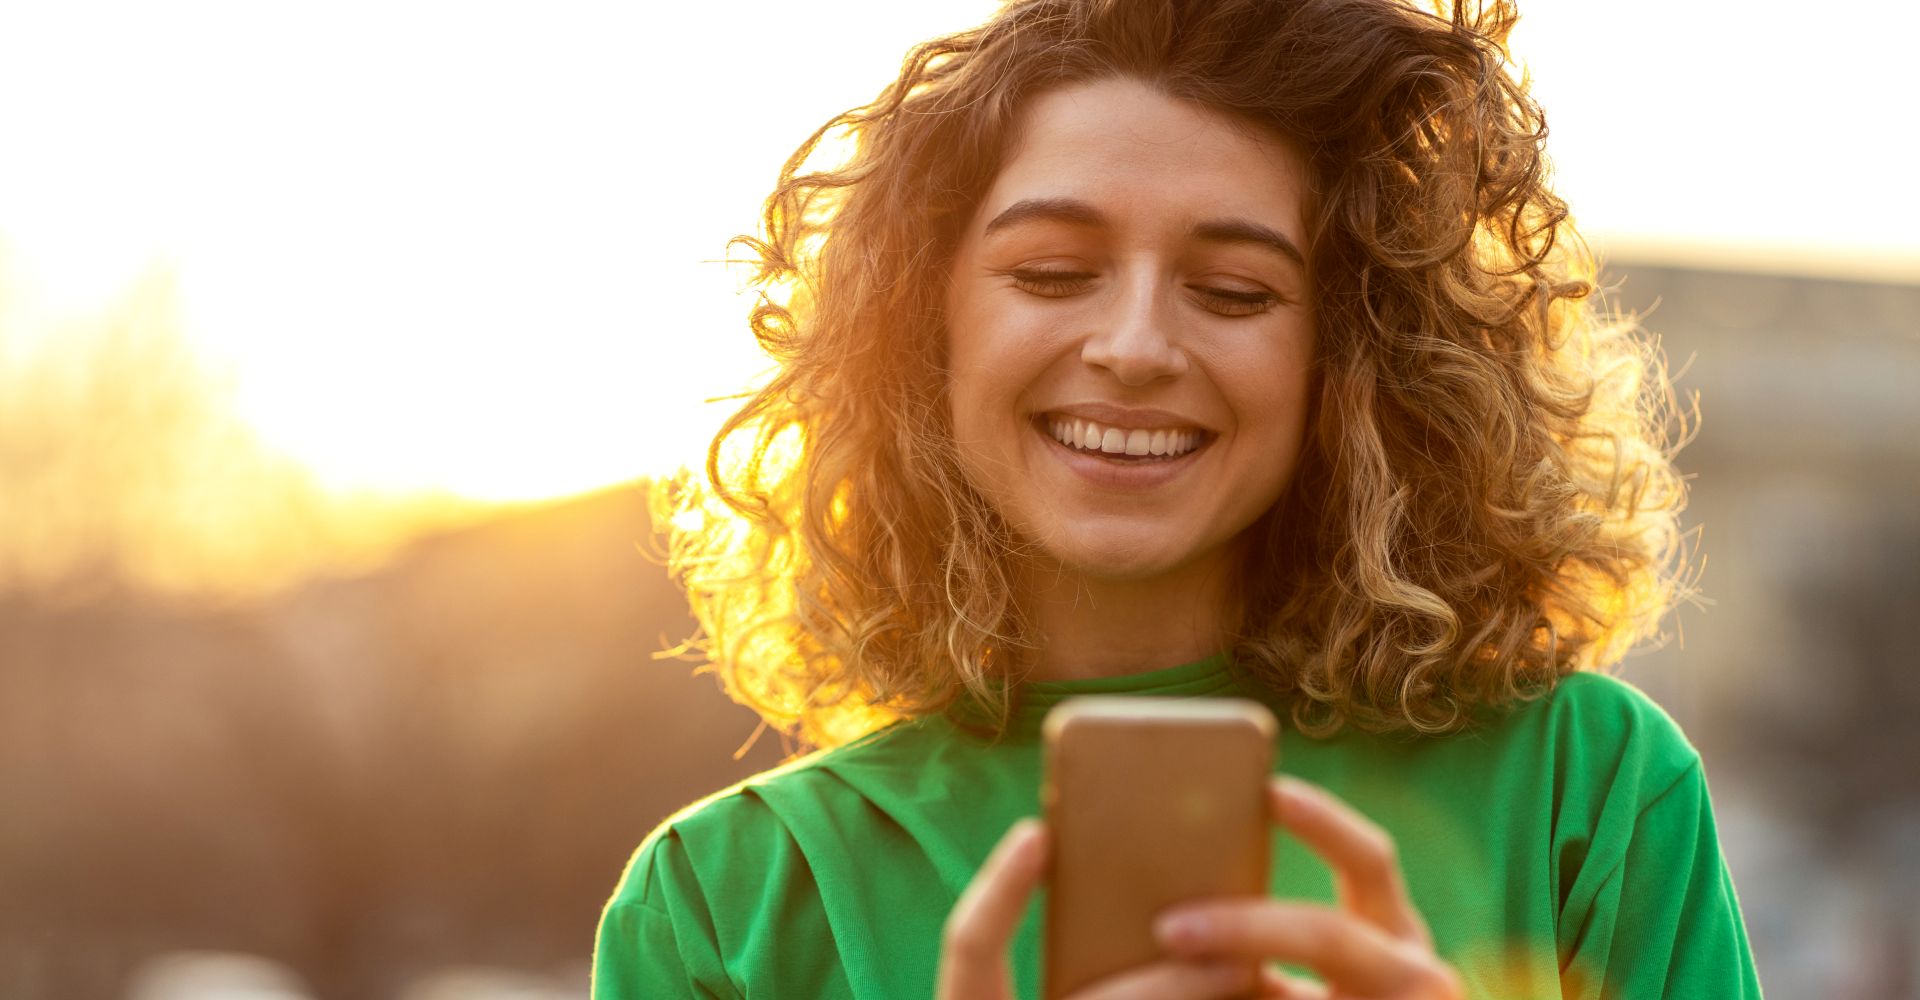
1120	147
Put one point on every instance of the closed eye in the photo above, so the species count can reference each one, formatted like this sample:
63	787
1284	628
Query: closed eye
1059	283
1050	282
1235	302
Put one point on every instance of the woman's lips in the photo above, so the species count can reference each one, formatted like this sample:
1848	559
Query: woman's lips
1121	472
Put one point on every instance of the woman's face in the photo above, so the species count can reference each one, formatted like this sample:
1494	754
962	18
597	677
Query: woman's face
1129	331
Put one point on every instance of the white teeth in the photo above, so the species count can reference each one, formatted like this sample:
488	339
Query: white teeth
1086	435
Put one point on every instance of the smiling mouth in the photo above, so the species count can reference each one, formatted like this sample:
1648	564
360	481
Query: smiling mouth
1122	445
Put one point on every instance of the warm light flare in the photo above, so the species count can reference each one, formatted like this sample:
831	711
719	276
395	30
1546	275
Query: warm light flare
467	252
440	247
124	464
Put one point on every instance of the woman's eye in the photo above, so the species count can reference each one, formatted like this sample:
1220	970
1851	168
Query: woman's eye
1235	302
1048	282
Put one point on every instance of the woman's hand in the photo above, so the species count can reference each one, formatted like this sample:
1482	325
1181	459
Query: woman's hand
1374	945
973	954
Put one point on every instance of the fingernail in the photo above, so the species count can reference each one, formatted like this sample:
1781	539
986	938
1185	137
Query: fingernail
1300	792
1025	833
1181	928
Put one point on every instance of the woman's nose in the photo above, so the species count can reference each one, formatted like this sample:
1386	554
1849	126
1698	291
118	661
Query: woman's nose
1136	340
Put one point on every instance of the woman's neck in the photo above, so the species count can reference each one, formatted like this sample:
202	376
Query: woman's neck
1092	627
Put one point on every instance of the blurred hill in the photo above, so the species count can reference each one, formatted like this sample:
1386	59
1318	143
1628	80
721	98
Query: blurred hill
367	777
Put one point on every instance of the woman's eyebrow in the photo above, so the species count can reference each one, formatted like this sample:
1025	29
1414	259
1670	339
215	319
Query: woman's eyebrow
1248	231
1066	210
1079	213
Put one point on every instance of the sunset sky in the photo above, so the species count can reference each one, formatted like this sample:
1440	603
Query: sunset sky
473	247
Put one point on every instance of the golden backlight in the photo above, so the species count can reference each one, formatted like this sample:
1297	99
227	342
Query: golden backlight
281	287
437	246
473	253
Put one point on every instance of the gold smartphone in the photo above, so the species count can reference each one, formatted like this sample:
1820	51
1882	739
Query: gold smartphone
1150	802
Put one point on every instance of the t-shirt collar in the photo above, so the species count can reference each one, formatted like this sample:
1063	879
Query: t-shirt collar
1211	676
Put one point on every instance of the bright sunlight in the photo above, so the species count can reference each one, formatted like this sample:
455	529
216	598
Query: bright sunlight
435	246
474	253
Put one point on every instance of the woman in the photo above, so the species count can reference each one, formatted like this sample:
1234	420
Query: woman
1220	347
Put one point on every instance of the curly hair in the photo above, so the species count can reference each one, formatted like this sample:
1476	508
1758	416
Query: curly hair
1486	501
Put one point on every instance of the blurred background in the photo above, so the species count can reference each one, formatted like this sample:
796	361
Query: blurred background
337	341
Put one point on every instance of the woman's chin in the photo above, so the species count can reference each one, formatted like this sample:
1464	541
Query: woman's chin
1121	560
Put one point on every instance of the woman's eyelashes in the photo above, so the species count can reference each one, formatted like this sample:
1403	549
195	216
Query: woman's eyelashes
1235	302
1057	283
1051	282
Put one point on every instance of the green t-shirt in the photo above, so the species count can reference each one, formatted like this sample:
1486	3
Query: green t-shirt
1567	849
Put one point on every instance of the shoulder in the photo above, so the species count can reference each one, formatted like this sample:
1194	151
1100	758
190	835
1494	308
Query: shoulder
1589	744
1603	753
1611	726
744	827
1599	699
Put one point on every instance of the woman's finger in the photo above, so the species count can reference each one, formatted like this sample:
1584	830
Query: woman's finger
1175	980
1277	985
973	950
1362	959
1364	860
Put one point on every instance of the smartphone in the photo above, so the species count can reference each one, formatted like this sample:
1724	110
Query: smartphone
1150	802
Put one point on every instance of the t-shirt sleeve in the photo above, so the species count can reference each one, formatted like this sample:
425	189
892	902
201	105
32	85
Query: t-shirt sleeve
655	938
1661	918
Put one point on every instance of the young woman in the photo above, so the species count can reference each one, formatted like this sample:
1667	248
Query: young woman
1191	348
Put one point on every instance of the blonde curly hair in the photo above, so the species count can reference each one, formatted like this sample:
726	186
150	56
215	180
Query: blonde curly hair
1486	501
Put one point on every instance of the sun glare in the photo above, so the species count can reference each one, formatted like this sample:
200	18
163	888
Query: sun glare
282	287
469	249
439	247
475	252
